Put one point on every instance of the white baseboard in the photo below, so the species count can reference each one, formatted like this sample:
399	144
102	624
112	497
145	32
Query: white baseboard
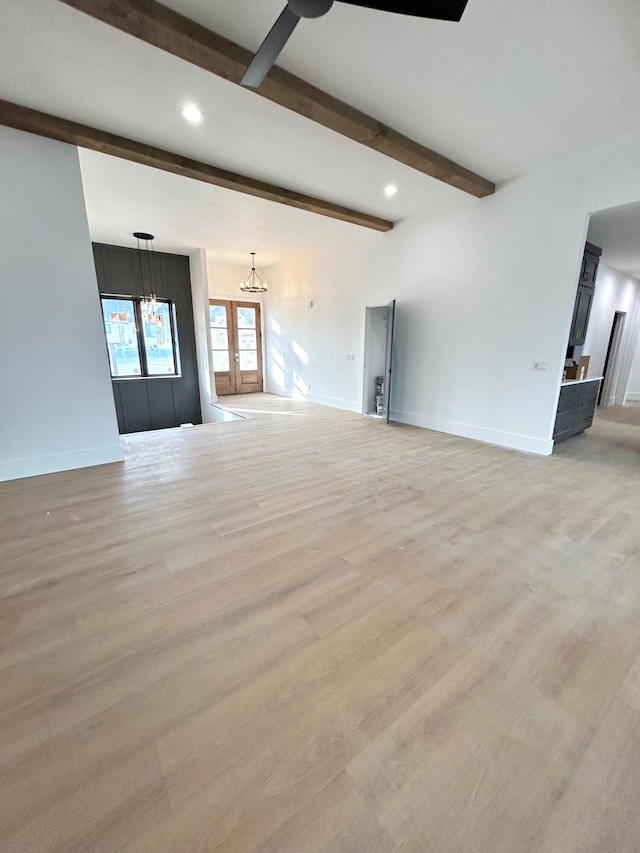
17	469
632	395
525	443
334	403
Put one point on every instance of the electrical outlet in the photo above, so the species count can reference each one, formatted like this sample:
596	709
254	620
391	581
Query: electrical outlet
350	357
540	365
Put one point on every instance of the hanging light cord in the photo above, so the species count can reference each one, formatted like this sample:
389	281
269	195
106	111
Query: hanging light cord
151	299
144	296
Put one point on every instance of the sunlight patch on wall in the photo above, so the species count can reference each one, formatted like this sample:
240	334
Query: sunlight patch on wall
277	367
302	355
300	387
278	375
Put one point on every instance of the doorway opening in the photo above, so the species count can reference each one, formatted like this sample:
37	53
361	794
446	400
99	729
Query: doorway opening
601	381
611	371
378	360
236	342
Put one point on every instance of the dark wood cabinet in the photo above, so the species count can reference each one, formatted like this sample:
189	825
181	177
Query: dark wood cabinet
581	313
584	296
576	408
590	263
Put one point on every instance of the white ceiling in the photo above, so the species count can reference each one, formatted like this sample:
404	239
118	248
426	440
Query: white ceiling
511	86
617	232
183	214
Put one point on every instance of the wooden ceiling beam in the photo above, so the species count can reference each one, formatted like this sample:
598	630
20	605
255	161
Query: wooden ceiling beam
42	124
160	26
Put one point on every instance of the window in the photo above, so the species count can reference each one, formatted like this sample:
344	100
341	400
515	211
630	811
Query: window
140	343
219	338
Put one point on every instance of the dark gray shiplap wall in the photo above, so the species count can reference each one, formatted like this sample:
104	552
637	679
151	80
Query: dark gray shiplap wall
145	404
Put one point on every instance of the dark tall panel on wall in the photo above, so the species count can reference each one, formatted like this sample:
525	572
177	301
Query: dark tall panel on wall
584	296
163	401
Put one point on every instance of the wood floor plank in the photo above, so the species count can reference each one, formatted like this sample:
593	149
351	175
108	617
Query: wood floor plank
192	754
108	719
515	622
630	689
503	796
100	816
337	819
599	811
342	604
588	668
434	735
364	638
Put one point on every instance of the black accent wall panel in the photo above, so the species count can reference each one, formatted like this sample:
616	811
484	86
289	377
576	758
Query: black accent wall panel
159	402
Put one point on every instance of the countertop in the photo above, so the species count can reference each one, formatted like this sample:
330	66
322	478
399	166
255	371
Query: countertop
579	381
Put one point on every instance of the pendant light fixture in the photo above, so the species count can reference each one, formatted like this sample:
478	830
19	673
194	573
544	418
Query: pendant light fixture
149	303
253	283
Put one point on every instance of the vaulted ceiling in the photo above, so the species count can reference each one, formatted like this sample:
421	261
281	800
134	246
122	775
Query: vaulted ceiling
509	88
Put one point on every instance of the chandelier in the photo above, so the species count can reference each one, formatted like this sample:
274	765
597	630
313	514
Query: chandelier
253	283
149	303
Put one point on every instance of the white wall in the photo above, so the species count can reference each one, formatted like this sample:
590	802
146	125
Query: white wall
225	279
202	328
306	347
633	386
484	288
57	409
615	291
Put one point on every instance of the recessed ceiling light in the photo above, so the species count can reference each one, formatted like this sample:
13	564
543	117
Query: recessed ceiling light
192	113
390	190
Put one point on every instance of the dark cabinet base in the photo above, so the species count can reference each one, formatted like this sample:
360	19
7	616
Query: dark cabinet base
576	408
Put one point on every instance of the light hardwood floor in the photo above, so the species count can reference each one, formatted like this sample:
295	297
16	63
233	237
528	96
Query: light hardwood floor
310	632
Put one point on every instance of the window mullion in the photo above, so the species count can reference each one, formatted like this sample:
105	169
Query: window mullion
141	345
174	337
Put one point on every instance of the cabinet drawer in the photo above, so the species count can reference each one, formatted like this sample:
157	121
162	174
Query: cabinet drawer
583	419
581	427
583	413
569	398
569	392
562	436
589	395
564	421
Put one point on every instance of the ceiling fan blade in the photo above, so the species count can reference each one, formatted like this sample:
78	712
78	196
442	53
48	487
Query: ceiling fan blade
442	10
270	49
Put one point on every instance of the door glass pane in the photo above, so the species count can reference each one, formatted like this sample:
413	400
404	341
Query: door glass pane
219	339
246	318
122	339
247	339
248	360
158	342
218	315
220	361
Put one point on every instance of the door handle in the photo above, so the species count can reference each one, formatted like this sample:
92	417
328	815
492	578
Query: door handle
237	357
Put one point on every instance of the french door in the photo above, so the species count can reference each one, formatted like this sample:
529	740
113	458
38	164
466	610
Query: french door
237	346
